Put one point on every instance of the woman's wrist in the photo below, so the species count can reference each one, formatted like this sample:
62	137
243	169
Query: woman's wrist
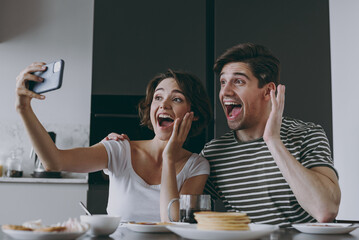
23	108
168	160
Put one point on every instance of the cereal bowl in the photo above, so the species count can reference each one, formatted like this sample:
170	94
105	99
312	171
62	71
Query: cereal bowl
101	224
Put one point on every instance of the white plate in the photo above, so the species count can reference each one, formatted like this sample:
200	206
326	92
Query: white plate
150	228
146	228
325	228
16	234
191	232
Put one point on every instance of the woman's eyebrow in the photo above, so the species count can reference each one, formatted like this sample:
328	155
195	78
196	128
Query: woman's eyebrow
159	89
177	91
173	91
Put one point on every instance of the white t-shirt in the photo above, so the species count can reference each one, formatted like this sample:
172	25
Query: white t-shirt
129	195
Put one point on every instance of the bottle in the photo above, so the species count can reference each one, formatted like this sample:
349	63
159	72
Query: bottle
2	163
13	168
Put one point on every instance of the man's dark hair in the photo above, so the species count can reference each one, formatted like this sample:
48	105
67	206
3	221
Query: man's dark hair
263	64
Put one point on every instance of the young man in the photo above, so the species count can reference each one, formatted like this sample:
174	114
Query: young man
276	169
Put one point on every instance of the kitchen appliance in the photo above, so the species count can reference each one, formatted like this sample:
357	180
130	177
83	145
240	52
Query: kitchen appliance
39	170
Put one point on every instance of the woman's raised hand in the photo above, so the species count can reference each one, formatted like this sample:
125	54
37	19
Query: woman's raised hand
180	131
24	95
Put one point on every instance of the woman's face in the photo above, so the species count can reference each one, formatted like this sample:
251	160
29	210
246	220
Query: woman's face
168	103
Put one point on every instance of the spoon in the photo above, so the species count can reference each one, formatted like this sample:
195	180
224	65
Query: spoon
84	208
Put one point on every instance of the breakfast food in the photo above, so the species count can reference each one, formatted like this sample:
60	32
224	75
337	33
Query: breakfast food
74	225
321	225
71	225
33	224
50	229
151	223
16	227
234	221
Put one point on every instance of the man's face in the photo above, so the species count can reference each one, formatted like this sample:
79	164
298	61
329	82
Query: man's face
242	101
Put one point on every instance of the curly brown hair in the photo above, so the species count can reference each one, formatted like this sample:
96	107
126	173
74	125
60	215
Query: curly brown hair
193	91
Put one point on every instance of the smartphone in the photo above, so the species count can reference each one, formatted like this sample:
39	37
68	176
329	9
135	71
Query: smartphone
52	78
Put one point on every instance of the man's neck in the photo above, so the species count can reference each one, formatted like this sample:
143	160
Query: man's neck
247	135
252	133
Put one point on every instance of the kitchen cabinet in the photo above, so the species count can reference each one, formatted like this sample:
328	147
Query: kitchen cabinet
51	200
297	32
134	40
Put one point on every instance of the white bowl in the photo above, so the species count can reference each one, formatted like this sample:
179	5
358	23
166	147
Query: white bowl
101	224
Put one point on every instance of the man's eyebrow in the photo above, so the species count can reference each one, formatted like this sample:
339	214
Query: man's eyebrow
241	74
236	74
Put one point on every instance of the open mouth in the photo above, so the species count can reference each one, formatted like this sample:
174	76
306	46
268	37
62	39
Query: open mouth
165	120
233	109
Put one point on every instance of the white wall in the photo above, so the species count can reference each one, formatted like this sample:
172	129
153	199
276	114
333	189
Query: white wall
344	33
46	30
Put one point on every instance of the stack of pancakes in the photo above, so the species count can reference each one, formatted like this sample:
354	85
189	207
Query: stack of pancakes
234	221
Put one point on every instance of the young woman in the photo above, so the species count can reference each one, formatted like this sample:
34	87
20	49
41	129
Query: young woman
144	175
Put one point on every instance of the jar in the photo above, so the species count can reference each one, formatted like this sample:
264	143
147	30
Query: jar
2	162
1	167
13	166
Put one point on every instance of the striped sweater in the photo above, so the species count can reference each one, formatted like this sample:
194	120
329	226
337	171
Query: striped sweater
246	178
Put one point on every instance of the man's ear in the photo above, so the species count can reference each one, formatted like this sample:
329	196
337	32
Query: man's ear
268	88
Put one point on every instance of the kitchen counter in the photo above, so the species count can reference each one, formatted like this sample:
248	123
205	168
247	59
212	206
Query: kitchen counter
49	199
65	178
43	180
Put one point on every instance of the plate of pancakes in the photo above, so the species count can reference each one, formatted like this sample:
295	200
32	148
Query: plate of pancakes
222	225
64	232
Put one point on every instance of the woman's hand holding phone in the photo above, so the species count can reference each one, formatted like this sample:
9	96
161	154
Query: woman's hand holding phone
24	95
52	77
38	78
